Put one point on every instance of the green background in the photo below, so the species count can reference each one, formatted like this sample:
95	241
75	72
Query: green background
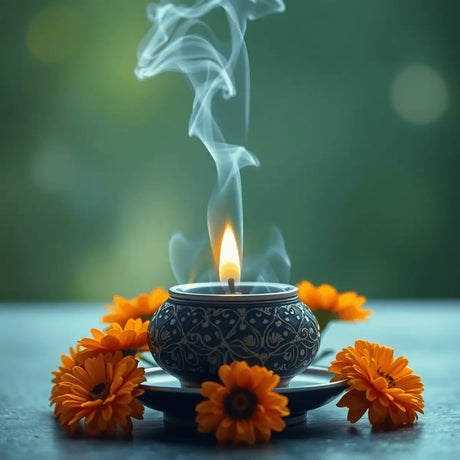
354	117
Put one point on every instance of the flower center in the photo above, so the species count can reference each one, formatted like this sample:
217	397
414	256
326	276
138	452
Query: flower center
129	352
100	391
388	377
240	403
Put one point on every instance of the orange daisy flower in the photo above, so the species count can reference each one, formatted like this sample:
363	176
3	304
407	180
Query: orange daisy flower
327	304
103	392
244	409
379	383
143	306
130	339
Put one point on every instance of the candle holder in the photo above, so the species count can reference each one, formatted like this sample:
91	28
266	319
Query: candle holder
201	326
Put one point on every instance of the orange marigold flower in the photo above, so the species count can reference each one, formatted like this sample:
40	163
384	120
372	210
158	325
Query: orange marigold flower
327	304
244	409
379	383
130	339
103	392
143	306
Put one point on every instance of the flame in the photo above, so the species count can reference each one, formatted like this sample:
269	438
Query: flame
229	260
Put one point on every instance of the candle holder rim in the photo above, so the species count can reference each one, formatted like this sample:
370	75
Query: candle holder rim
188	291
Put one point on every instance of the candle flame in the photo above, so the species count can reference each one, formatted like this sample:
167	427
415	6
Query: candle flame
229	260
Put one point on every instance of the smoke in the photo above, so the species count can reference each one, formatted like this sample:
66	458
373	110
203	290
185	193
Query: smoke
218	71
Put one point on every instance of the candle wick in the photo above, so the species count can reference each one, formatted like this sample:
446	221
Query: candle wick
231	285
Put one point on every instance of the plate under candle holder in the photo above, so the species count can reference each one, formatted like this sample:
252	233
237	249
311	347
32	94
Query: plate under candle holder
309	390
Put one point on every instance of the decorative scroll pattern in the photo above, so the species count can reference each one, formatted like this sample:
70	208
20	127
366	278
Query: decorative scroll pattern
191	341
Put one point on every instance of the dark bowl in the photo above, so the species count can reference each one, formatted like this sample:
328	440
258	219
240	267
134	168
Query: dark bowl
200	327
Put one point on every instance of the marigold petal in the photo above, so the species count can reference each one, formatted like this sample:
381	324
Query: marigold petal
269	383
262	427
91	404
89	417
110	342
357	404
377	413
397	416
208	388
226	376
226	433
309	295
208	423
227	422
385	399
244	377
89	343
329	296
106	412
137	409
371	394
67	361
245	432
398	365
380	384
351	398
276	423
205	407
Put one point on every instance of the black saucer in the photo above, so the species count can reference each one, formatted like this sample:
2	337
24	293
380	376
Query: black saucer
307	391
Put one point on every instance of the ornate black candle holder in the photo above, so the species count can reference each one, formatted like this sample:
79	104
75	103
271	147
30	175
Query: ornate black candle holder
201	326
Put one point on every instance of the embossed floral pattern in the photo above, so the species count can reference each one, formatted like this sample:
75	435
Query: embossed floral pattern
193	341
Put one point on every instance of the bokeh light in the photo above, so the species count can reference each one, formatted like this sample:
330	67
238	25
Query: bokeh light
419	94
53	167
54	33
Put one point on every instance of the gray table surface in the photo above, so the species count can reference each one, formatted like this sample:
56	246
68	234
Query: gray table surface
33	336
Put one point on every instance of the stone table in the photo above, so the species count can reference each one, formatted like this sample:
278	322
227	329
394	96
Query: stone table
34	335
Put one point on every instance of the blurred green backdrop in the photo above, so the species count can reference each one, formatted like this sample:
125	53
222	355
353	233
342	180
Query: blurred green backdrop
355	109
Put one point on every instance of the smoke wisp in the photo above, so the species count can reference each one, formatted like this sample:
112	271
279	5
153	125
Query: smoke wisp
180	40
